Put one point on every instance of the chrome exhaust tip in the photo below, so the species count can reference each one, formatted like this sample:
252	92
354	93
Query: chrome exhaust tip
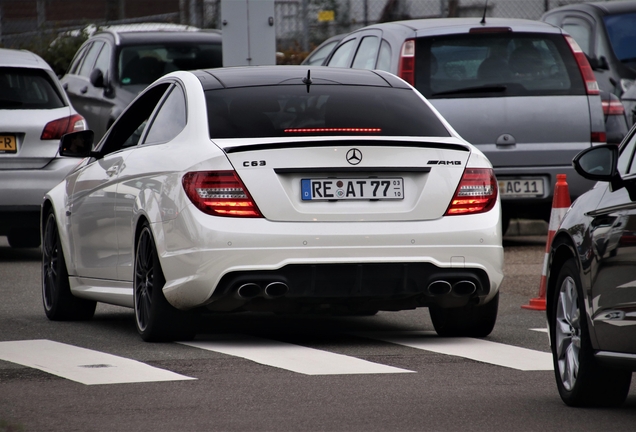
248	291
439	287
464	288
275	290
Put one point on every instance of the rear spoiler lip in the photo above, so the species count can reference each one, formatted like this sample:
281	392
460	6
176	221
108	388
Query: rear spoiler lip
346	143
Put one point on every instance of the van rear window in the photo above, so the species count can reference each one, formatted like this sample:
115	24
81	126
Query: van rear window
295	110
492	65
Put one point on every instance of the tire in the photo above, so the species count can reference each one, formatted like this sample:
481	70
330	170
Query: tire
59	303
156	320
467	321
24	238
581	380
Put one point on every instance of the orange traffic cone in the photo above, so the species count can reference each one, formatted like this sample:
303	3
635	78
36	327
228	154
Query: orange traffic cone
560	204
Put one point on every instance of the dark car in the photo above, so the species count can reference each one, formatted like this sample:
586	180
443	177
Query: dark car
519	90
591	292
606	32
115	64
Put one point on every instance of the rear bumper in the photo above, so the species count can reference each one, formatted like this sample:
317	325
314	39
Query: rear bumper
331	262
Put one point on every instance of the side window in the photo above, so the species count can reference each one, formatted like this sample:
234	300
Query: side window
321	54
367	53
627	159
103	60
128	128
77	61
342	54
170	120
91	56
384	58
581	30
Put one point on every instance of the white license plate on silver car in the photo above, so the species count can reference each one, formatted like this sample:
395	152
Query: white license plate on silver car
330	189
521	188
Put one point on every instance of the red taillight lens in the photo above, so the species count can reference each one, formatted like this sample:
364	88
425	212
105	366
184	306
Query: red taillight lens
220	193
406	66
591	86
613	107
56	128
476	193
598	137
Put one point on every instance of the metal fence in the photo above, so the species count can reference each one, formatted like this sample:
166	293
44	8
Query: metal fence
300	24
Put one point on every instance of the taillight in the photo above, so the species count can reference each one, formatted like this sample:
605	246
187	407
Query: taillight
56	128
591	86
406	66
220	193
598	137
613	107
476	193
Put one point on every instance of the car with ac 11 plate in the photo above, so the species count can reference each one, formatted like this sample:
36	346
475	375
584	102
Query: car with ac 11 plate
591	291
521	91
34	114
288	189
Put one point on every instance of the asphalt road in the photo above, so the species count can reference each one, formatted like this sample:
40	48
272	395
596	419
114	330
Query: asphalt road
261	372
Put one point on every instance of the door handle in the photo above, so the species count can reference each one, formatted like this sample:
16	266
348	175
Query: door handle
84	89
112	170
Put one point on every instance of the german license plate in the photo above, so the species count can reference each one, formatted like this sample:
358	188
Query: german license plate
8	144
333	189
521	188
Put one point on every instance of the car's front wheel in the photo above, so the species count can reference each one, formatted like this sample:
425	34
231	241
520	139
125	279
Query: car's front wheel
155	318
581	380
59	303
468	321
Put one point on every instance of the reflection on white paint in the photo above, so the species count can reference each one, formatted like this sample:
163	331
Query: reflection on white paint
475	349
295	358
82	365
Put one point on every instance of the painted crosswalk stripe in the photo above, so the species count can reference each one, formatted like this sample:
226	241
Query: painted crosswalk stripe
295	358
540	330
82	365
475	349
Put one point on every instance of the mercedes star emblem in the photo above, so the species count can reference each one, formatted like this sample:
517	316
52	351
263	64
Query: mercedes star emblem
354	156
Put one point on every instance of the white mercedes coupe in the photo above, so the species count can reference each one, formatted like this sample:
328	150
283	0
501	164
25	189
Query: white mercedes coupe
287	189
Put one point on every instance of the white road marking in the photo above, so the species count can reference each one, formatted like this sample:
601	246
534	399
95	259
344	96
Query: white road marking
295	358
82	365
475	349
542	330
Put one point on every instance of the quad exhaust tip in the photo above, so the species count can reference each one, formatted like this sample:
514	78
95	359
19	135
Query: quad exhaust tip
250	290
439	287
461	288
275	290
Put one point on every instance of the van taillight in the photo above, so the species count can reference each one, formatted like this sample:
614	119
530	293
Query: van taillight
591	86
476	193
406	66
613	107
220	193
56	128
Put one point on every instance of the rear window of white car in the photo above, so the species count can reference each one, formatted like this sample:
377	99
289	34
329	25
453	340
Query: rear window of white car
493	65
26	88
299	110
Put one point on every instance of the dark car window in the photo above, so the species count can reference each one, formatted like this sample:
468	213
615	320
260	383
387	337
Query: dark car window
89	61
128	128
341	56
622	35
26	88
77	61
367	53
626	159
275	111
482	65
318	56
143	64
170	120
103	60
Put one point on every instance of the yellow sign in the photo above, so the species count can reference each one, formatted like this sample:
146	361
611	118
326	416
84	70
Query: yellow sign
326	15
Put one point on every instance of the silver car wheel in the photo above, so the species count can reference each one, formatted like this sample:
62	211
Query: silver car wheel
568	333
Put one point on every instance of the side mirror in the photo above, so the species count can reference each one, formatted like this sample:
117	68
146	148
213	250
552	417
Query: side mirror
77	144
598	63
597	163
97	78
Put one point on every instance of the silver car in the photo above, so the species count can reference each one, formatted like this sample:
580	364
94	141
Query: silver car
521	91
34	114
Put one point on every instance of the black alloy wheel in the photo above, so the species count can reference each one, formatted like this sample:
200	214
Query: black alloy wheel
59	303
155	318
